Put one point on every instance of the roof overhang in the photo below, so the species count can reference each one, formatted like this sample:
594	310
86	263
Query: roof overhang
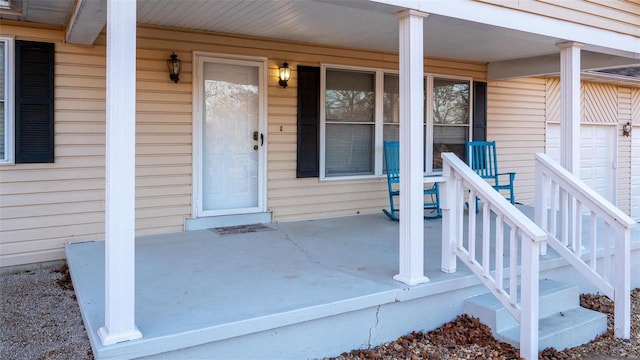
512	43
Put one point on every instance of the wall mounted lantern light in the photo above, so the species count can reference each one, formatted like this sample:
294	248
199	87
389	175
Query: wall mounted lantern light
174	67
626	129
285	74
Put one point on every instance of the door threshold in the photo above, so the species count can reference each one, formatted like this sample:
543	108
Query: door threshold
226	220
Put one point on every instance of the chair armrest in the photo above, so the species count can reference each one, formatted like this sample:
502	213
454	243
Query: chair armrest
512	175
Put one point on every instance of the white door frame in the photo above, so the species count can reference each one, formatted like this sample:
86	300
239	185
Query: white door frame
199	58
635	175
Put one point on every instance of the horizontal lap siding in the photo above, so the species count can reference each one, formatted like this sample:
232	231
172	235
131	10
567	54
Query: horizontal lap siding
515	116
44	206
635	154
164	140
621	16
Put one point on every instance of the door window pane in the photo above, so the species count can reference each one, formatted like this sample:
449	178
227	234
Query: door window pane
229	160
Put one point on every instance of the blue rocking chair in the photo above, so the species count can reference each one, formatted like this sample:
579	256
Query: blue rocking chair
392	161
482	158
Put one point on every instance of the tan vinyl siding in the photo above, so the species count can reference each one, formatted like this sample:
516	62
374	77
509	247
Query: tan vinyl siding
598	101
43	206
623	195
516	113
621	16
603	104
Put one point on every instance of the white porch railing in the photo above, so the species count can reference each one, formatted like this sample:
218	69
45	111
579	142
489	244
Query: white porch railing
562	200
522	241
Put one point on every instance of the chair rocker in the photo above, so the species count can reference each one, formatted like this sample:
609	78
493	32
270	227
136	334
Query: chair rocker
392	162
482	158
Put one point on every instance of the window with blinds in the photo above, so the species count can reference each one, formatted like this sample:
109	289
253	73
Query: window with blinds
349	123
361	110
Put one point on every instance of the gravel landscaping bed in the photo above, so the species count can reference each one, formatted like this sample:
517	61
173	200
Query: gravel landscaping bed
40	319
467	338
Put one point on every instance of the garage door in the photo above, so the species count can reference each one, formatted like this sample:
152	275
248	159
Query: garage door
635	175
597	156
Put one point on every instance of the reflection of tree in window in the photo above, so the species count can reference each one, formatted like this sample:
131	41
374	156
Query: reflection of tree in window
346	105
227	105
450	118
450	101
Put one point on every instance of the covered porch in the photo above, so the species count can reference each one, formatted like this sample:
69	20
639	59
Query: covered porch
307	289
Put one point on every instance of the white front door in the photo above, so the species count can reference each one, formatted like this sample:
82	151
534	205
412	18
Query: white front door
229	128
597	156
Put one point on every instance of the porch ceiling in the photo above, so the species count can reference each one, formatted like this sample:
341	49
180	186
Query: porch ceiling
354	24
360	24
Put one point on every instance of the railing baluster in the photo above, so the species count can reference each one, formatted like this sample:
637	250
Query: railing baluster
542	204
554	208
577	236
594	245
499	252
472	225
460	210
513	265
564	212
486	239
607	252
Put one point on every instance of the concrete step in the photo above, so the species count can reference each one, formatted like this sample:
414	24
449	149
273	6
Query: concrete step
562	322
555	296
563	329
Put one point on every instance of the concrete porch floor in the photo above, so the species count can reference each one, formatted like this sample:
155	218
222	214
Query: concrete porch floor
199	287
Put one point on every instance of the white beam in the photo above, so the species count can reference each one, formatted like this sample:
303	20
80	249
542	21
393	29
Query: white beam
597	39
411	148
119	299
570	106
550	65
87	20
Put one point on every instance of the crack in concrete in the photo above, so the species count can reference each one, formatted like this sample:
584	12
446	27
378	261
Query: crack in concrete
297	245
374	326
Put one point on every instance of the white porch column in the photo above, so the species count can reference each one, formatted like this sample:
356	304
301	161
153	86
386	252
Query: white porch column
411	148
120	174
570	105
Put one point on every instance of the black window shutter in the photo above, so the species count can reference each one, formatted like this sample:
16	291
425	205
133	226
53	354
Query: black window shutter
308	160
479	111
34	102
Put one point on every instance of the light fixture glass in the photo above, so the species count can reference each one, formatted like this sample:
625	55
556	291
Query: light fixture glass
285	74
174	67
626	129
